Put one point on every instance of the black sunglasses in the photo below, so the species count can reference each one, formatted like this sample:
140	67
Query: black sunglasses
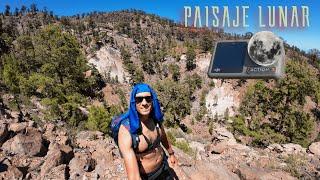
139	99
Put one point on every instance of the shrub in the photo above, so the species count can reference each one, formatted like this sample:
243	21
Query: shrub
184	146
171	137
100	118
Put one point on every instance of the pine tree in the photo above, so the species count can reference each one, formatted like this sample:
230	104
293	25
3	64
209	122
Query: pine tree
190	62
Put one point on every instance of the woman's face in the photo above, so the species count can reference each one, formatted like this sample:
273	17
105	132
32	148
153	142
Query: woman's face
143	103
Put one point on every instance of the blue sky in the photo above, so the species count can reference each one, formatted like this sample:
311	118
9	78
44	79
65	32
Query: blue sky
305	38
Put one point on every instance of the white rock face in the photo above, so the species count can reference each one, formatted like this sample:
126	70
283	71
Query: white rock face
220	98
108	60
203	62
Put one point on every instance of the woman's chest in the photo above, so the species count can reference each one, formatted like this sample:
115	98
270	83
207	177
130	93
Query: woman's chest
149	140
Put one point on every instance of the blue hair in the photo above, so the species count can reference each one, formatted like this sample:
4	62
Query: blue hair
135	124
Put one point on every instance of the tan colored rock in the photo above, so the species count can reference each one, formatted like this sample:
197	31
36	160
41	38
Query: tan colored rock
29	144
80	164
275	147
219	148
291	148
104	159
246	172
57	173
277	175
314	148
199	148
179	172
222	134
18	127
49	128
53	158
62	140
212	171
8	170
88	139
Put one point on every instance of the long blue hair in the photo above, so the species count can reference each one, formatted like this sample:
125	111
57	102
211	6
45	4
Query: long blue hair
156	114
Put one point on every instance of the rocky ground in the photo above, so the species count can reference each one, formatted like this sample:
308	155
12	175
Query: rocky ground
49	151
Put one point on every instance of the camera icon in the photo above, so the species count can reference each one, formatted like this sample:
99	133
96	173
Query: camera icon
260	57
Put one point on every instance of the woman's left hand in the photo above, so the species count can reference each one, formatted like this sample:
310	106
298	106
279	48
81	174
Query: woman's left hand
173	160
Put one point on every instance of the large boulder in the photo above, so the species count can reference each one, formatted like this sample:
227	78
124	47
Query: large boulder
29	144
222	134
55	135
80	165
57	155
291	148
20	127
314	148
88	139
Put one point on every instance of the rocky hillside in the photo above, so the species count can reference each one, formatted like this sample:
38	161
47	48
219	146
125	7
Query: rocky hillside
62	79
30	151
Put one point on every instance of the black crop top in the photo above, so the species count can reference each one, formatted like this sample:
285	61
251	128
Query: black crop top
151	145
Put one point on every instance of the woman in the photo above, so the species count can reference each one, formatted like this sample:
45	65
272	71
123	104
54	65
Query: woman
146	160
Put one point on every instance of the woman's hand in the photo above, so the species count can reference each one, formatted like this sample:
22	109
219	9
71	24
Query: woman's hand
173	160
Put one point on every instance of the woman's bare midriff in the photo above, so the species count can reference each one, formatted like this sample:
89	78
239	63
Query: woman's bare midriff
150	160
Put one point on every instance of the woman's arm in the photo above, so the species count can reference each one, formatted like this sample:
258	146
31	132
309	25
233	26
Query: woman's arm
130	160
167	145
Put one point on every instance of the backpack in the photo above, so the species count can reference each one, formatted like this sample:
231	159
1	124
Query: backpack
115	126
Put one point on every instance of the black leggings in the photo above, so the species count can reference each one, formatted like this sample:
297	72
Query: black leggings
162	173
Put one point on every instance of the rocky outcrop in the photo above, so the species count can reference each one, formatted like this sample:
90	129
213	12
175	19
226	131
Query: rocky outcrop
246	172
29	143
20	127
286	149
222	140
39	153
314	148
57	155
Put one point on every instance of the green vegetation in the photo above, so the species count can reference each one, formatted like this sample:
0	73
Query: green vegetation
294	163
175	71
276	115
184	146
171	137
100	118
191	58
175	100
50	66
203	108
136	73
181	144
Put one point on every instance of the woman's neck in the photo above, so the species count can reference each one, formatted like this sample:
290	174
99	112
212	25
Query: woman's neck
147	121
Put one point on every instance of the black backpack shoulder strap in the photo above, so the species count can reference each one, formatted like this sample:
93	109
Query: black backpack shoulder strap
135	141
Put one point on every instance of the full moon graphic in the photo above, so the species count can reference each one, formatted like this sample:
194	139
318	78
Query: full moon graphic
265	48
